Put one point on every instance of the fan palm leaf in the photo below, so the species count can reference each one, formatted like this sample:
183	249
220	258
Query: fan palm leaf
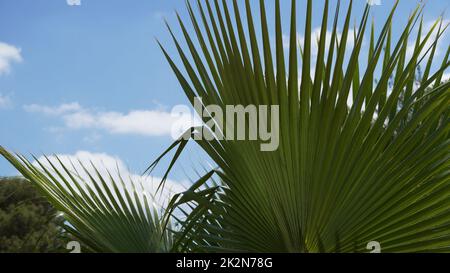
359	160
105	212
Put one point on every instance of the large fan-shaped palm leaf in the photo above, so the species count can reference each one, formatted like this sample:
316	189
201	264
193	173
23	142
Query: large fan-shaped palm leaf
376	169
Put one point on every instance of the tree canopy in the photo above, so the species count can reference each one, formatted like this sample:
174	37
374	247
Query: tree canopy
28	223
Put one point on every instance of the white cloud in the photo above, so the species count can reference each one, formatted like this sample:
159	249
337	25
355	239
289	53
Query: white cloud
150	123
446	77
136	122
315	36
5	102
8	55
426	28
104	163
374	2
53	111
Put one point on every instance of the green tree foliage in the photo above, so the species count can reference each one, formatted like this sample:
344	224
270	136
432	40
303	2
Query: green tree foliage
28	222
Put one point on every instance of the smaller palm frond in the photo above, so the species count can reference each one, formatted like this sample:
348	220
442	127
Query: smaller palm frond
106	212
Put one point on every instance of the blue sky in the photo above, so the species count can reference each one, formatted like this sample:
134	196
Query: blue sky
91	77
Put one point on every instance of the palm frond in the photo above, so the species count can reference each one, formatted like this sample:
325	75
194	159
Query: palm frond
106	212
345	174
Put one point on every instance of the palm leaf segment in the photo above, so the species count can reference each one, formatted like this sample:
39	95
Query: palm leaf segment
344	174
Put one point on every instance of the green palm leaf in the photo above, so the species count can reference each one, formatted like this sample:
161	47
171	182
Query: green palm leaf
106	212
376	169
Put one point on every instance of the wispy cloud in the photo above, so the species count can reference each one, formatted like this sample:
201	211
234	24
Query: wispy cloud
315	36
53	111
426	29
136	122
8	55
5	102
